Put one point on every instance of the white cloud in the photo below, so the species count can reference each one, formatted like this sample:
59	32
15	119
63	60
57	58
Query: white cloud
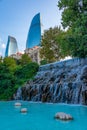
3	45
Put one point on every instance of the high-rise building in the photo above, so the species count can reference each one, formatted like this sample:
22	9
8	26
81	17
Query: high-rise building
34	39
12	47
34	35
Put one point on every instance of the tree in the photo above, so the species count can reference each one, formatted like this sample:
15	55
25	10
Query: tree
13	75
26	72
25	59
7	79
10	63
1	60
74	17
50	50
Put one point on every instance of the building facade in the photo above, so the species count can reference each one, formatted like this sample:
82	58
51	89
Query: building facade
34	39
12	47
34	34
17	56
34	53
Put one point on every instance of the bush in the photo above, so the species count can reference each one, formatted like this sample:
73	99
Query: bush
12	78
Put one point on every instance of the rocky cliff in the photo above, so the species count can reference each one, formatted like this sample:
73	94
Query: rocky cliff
62	82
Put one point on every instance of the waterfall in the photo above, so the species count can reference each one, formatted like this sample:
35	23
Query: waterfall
62	82
18	95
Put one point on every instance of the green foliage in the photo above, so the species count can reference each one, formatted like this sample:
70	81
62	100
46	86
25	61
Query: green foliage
7	82
13	75
25	59
0	60
43	62
51	48
26	72
55	45
63	42
10	63
74	17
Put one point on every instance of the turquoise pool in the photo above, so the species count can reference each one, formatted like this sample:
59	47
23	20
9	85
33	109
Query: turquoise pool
41	117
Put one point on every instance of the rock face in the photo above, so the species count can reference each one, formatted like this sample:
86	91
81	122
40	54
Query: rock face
64	81
63	116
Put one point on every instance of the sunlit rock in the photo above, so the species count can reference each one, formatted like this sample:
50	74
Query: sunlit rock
63	116
23	110
17	104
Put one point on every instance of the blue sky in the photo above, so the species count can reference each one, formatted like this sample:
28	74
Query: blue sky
16	16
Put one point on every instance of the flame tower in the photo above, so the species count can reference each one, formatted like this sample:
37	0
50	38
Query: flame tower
11	47
34	35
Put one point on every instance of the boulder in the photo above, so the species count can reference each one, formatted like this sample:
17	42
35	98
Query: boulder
63	116
17	104
23	110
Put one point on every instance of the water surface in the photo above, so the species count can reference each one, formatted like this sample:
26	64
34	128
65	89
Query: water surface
40	116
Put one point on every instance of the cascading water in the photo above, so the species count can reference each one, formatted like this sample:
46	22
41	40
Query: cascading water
18	95
64	81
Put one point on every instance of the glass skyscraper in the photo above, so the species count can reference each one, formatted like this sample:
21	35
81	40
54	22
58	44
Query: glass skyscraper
34	34
11	47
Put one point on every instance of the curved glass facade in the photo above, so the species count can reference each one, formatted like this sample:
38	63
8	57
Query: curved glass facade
34	35
11	47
